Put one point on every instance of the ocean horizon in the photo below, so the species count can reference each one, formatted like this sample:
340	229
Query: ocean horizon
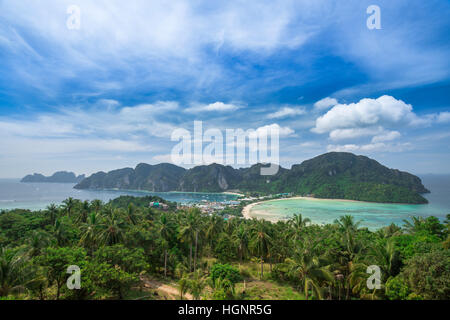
37	196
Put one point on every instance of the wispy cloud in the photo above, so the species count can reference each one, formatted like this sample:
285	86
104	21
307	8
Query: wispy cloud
213	107
325	103
286	112
137	70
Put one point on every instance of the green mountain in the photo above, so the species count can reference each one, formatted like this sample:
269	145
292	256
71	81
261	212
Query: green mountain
161	177
342	175
211	178
57	177
335	175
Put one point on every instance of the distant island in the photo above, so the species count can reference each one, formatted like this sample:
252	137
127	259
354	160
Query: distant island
335	175
57	177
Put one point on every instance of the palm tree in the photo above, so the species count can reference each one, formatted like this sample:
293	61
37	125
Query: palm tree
90	231
196	285
226	286
13	273
52	211
346	257
414	225
132	214
61	232
298	224
387	258
69	204
260	240
311	271
347	224
213	228
189	232
84	211
240	238
37	241
357	277
96	205
165	229
183	285
112	232
390	231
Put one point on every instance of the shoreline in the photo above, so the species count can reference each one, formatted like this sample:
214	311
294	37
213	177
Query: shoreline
246	211
233	193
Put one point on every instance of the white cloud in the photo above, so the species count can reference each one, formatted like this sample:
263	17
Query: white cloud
105	127
213	107
378	120
443	117
371	147
387	136
50	147
352	133
147	110
282	131
286	112
158	42
384	111
309	144
325	103
163	158
378	134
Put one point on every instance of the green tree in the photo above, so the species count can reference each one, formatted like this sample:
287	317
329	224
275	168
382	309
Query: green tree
387	258
311	270
189	232
112	229
298	223
260	241
57	260
166	231
52	211
224	272
69	205
428	275
241	240
196	285
13	271
397	289
347	224
90	233
183	286
113	279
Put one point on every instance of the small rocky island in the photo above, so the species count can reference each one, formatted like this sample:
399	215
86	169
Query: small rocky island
57	177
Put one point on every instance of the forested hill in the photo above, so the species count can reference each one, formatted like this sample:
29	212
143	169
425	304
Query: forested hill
57	177
336	175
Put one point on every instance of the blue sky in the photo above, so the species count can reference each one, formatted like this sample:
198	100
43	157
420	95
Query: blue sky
109	94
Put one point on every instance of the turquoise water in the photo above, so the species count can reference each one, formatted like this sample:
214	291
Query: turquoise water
371	215
36	196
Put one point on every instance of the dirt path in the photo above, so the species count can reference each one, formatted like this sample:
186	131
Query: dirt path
172	292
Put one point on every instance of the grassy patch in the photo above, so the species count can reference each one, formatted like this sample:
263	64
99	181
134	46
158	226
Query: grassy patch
267	290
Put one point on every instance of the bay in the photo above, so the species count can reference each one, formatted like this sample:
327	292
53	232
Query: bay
36	196
371	215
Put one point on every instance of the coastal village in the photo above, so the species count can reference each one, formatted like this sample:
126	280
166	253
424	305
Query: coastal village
211	207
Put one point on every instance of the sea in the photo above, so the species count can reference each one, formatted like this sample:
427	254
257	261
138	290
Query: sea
37	196
370	215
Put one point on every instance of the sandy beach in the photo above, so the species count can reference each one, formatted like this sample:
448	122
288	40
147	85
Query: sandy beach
246	212
248	208
234	193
